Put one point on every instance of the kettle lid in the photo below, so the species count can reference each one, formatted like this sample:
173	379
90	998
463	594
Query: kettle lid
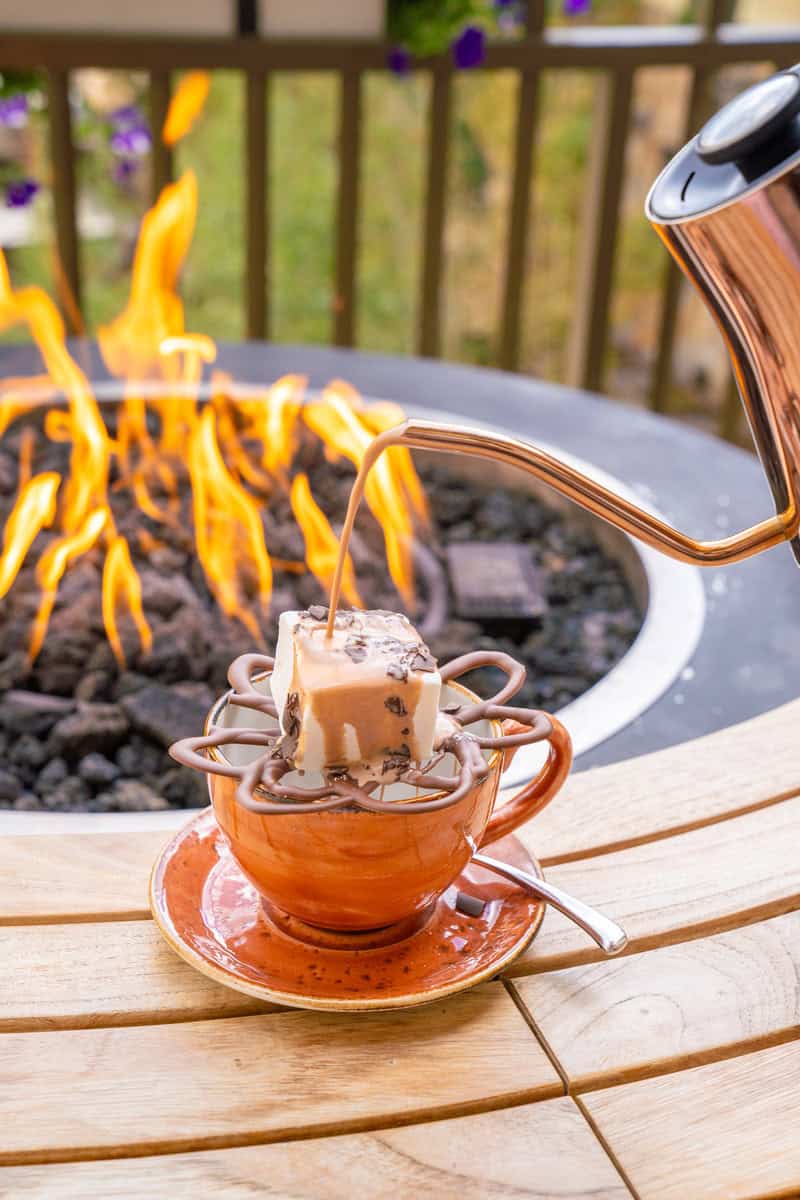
753	139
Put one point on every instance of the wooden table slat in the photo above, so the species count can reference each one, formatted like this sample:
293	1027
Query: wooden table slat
70	877
684	786
535	1150
76	876
95	1093
677	1006
728	1131
694	884
104	973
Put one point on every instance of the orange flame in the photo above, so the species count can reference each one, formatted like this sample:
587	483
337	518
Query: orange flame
52	565
34	510
238	449
322	545
228	530
131	343
185	106
89	460
340	427
121	586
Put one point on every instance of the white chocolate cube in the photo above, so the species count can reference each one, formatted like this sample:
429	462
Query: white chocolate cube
364	700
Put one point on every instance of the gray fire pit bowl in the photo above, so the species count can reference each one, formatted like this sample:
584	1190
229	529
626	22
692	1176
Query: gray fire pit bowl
717	646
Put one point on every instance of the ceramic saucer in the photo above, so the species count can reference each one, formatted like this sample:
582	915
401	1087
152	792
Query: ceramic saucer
213	918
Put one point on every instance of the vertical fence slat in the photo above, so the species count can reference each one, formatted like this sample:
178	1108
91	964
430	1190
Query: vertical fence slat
716	11
347	209
256	152
519	216
160	95
429	336
673	276
62	156
592	309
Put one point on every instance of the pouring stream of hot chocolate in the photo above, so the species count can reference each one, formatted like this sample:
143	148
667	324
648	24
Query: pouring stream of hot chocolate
585	491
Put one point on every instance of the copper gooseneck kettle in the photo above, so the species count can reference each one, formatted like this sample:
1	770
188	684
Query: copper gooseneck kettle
728	208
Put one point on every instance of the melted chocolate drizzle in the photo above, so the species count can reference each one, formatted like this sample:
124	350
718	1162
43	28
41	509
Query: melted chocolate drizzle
265	773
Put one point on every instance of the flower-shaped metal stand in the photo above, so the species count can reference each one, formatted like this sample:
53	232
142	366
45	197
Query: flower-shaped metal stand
261	790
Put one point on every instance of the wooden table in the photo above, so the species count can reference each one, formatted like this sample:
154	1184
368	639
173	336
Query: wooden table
672	1073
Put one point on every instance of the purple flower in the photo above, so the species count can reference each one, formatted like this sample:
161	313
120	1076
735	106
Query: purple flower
124	170
573	8
131	142
399	60
14	111
20	192
128	114
469	49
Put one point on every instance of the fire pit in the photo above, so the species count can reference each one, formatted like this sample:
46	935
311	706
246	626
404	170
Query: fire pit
154	527
222	511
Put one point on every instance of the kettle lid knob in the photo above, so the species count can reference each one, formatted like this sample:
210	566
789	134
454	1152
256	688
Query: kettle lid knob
750	119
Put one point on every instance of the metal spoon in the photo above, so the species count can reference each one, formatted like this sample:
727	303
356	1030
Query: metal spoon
610	937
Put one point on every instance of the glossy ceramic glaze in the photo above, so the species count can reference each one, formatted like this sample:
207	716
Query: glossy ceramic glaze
357	870
214	919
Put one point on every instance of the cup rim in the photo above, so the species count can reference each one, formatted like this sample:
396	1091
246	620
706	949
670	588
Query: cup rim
470	697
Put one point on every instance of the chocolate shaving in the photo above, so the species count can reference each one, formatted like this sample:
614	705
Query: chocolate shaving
423	660
318	612
291	715
397	671
395	705
356	649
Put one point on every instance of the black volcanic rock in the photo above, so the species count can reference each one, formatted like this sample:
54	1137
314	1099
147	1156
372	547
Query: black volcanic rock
165	713
93	727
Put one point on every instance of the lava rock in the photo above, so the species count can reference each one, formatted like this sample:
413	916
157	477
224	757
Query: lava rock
10	786
93	727
184	788
130	681
97	770
139	757
25	802
51	775
14	668
163	594
32	712
27	750
69	796
129	795
94	685
164	713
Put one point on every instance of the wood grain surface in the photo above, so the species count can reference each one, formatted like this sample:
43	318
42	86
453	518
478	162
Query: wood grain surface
701	882
113	1050
75	876
96	1092
728	1131
675	1006
531	1152
738	768
103	973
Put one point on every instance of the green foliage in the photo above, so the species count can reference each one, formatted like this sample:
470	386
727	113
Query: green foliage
427	27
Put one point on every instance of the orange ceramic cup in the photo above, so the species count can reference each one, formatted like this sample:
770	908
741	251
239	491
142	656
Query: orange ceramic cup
359	870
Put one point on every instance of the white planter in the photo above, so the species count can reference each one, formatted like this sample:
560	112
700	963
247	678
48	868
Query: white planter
322	18
182	17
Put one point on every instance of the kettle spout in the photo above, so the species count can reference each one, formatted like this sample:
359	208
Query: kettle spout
593	496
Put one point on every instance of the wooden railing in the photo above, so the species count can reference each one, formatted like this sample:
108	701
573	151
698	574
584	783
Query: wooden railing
615	52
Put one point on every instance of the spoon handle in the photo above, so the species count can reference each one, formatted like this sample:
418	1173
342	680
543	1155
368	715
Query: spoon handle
610	937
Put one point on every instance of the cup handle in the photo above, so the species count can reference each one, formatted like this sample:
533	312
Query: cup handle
540	790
